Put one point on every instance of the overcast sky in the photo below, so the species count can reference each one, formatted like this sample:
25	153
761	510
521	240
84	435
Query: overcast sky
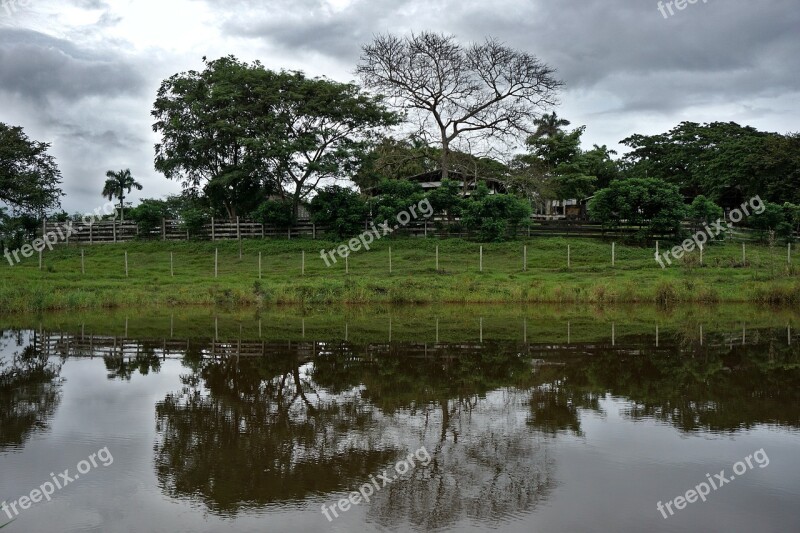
82	74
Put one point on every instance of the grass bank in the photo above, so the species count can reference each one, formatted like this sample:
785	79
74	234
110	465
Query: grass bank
590	278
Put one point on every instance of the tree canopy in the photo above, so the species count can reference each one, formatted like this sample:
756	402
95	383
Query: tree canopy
724	161
29	177
240	132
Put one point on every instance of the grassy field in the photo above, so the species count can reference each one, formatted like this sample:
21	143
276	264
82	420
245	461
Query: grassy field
591	278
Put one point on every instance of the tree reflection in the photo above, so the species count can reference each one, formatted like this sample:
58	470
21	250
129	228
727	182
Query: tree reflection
692	387
28	395
258	432
145	361
249	432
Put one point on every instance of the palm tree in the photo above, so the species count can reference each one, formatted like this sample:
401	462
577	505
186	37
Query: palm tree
117	184
549	125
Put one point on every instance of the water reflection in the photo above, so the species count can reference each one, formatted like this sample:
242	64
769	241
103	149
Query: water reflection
29	394
257	424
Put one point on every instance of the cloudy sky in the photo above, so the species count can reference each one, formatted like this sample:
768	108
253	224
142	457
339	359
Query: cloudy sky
82	74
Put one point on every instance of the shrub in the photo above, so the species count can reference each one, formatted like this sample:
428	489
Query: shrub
494	217
343	211
278	213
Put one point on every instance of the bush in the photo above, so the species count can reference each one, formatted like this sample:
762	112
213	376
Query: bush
148	215
777	218
278	213
652	204
343	211
494	217
394	197
193	219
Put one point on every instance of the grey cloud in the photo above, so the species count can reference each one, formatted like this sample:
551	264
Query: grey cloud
708	51
41	67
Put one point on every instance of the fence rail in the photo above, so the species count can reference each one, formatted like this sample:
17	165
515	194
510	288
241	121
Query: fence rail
113	231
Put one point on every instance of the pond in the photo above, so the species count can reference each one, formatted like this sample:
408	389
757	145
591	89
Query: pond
401	419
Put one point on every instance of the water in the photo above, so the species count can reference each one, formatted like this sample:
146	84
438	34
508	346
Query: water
517	420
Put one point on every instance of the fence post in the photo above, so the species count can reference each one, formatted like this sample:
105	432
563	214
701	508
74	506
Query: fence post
213	230
313	231
437	258
701	255
91	233
216	262
303	267
613	254
744	254
163	229
525	258
239	236
114	229
40	258
259	265
171	265
390	260
263	231
426	229
44	227
83	263
290	233
569	256
481	260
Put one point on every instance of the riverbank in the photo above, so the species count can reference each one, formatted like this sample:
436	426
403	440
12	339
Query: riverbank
179	274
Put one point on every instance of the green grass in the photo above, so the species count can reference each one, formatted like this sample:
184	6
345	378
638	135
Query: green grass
635	278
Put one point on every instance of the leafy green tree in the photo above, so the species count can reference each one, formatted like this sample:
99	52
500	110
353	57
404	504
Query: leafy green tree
703	211
237	128
777	218
118	185
395	196
343	211
494	217
726	162
653	205
448	201
149	215
29	177
278	213
556	168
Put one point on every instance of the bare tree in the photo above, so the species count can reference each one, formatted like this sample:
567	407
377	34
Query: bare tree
456	92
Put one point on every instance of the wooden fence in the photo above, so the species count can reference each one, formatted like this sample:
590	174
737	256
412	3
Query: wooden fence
112	231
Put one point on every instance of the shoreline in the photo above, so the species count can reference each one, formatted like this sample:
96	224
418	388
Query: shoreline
274	272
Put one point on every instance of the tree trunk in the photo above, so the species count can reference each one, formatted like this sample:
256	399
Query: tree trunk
445	159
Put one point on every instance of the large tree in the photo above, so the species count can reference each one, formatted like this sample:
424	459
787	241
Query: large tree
29	176
723	161
482	92
239	131
118	185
